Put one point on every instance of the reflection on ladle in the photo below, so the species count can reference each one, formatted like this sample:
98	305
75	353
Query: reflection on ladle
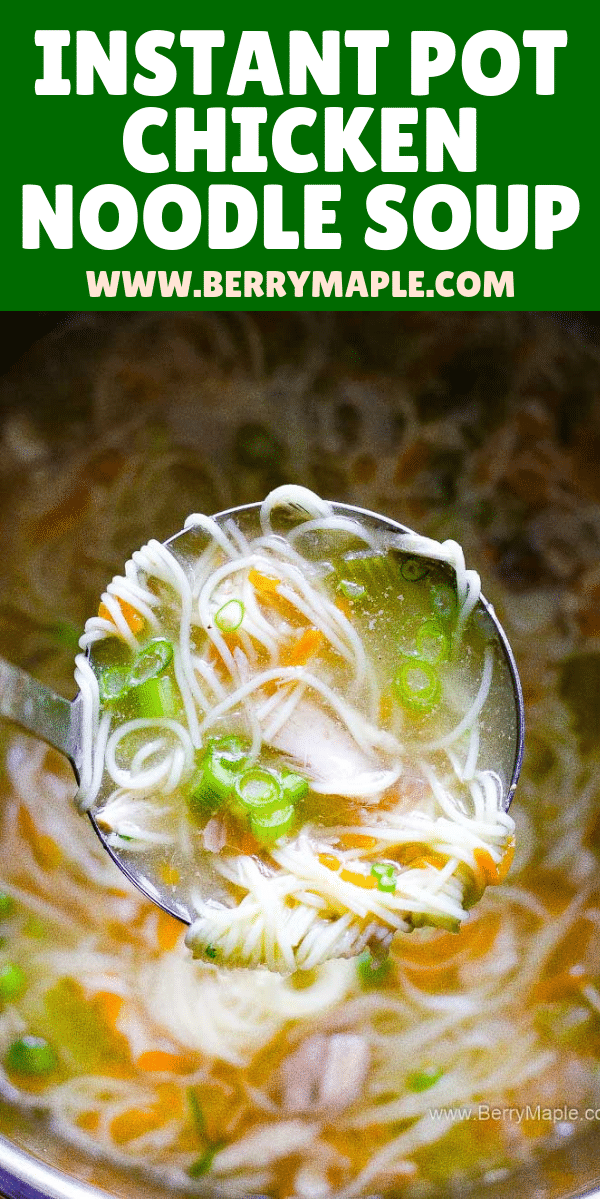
266	774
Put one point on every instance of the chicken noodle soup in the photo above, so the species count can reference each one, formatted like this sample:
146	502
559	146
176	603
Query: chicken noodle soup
301	722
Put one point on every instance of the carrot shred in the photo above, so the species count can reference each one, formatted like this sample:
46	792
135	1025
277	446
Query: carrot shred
110	1005
46	851
88	1120
406	852
359	880
162	1060
168	931
329	861
431	859
344	606
487	868
358	841
265	584
564	985
133	618
135	1122
299	652
507	859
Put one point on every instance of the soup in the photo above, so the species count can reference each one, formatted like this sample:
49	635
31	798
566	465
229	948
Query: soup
305	733
345	1080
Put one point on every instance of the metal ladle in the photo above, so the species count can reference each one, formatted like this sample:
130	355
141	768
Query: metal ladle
41	711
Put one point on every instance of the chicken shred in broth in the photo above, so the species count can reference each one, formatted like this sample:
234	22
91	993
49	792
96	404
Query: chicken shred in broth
347	1080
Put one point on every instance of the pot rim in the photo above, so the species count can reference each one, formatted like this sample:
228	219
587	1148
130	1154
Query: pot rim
19	1170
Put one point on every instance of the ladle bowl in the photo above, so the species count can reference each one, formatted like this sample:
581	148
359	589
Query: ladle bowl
58	721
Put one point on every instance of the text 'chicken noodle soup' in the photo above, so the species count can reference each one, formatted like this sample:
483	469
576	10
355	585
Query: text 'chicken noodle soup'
302	723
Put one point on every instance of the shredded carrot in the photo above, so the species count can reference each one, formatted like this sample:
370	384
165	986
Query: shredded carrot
266	588
473	942
359	880
344	606
564	985
299	652
169	874
168	931
491	872
88	1120
506	861
162	1060
110	1005
355	877
406	852
359	841
46	852
265	584
329	861
135	1122
431	859
133	618
487	868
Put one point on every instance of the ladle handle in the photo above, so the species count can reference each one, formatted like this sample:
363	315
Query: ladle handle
38	709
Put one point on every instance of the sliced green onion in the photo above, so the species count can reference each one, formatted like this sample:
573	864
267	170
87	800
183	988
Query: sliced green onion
196	1111
156	698
258	789
203	1164
7	905
433	642
414	569
230	616
294	786
31	1056
211	952
113	683
151	661
386	875
350	589
271	825
417	685
420	1081
12	981
220	765
370	973
443	600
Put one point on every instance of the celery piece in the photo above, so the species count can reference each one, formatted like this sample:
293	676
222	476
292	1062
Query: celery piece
420	1081
31	1056
371	973
12	981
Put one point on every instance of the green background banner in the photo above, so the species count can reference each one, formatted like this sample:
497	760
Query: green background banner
524	140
